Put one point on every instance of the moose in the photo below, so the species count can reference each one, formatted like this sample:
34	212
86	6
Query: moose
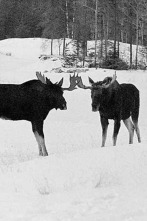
117	102
32	101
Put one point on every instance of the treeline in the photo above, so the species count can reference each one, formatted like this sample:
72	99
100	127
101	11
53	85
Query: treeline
121	19
81	20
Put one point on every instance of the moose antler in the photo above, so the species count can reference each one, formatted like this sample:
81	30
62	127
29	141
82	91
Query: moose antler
81	85
73	83
41	77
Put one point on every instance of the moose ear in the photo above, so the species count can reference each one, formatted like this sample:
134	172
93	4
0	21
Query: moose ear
60	82
107	80
91	81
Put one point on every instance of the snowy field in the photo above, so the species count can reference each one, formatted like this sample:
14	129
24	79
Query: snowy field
79	180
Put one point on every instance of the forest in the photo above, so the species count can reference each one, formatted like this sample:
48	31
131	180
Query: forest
80	20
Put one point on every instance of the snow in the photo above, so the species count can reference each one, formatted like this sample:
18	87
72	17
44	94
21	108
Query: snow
79	180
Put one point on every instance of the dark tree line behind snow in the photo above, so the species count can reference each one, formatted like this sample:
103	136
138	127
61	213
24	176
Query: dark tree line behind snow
81	20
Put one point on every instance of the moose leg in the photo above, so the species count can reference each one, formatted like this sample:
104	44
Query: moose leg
129	125
104	123
137	130
116	130
37	127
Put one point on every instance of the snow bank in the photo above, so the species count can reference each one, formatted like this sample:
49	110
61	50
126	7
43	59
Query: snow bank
79	180
97	168
31	48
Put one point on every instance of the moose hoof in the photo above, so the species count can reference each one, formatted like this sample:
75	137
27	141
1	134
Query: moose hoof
40	153
45	154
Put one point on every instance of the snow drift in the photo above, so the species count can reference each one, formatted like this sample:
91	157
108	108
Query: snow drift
79	180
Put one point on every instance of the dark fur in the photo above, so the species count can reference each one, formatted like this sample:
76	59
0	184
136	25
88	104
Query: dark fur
31	101
117	102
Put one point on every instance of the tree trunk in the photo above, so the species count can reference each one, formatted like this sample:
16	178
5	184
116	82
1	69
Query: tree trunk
96	12
142	33
67	25
59	44
131	35
105	35
101	51
115	27
137	24
130	47
84	51
73	19
52	46
119	33
63	46
122	31
126	37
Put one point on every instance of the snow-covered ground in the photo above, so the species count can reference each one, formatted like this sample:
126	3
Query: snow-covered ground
79	180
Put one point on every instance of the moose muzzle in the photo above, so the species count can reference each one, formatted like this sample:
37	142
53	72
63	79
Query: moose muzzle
95	108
